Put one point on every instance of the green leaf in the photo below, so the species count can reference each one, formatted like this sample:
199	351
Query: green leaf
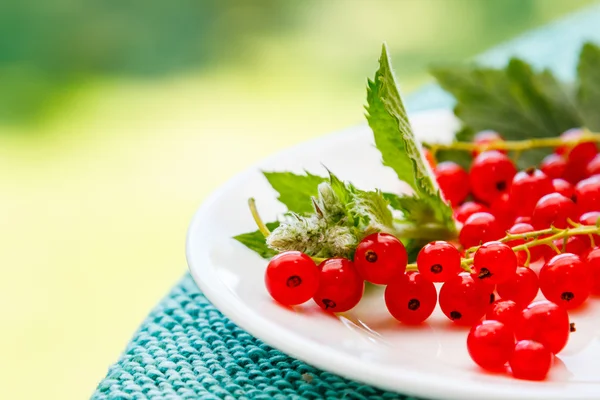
342	216
396	141
361	207
392	131
394	200
387	127
442	211
332	201
295	190
255	241
341	189
372	208
413	208
588	94
515	101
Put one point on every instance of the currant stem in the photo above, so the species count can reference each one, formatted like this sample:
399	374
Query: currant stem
515	145
528	260
553	247
538	238
257	219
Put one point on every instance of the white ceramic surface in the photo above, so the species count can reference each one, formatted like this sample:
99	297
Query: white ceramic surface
366	344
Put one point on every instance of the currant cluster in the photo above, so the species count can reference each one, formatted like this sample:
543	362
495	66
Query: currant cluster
565	187
509	220
525	339
536	208
337	284
564	193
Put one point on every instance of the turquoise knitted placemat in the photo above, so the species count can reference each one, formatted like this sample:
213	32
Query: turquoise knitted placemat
187	349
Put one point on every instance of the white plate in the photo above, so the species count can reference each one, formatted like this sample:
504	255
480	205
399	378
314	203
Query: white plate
367	344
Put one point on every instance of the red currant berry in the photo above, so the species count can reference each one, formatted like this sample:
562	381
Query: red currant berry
467	209
527	188
340	286
575	244
563	187
410	298
554	166
485	138
503	209
491	175
464	300
544	322
505	311
453	181
568	136
292	278
578	157
591	218
592	259
587	195
438	261
495	262
593	168
490	344
553	210
535	252
521	288
530	360
523	220
380	257
565	280
547	252
488	287
479	227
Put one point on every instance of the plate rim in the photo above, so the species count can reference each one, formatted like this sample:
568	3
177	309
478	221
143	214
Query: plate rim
409	383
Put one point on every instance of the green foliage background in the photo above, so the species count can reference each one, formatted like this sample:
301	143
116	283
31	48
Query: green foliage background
49	48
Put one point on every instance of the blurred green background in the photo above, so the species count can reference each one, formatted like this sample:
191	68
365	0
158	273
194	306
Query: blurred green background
118	117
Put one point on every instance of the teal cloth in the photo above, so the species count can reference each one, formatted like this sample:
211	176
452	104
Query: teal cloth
187	349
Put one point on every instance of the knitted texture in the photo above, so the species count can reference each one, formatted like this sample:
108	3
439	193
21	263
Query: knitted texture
187	349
